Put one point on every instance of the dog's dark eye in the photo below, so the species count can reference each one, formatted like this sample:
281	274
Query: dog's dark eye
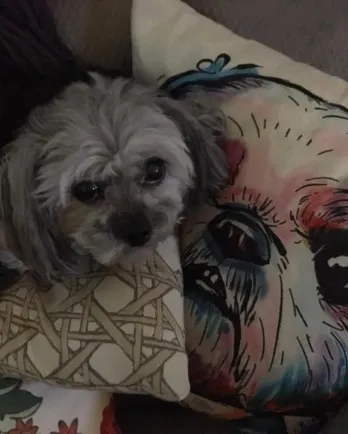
88	192
154	171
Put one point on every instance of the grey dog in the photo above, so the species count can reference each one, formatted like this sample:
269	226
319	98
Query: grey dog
105	170
95	167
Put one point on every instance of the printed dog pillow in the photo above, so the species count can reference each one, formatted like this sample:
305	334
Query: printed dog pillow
265	265
266	262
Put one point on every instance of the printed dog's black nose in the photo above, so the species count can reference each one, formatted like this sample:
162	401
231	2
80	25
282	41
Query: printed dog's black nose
134	229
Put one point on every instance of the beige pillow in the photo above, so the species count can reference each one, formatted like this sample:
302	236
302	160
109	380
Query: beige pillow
122	331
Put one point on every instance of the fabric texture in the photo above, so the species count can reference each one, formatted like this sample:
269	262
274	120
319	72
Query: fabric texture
312	31
309	31
33	408
338	423
120	331
98	31
264	264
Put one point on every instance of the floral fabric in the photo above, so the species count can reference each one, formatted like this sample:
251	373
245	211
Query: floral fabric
33	408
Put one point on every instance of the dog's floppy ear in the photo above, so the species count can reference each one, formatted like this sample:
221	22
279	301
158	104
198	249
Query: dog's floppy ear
34	228
203	128
11	268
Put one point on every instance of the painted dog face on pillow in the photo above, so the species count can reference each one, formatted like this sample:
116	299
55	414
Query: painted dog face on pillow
266	265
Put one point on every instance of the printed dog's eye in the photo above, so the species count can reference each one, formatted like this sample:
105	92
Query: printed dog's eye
88	192
330	249
154	171
239	236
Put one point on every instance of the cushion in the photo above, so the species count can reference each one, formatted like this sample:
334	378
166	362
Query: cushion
265	263
98	31
118	330
31	408
338	423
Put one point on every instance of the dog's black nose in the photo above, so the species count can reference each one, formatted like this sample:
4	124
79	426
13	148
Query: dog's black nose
134	229
138	234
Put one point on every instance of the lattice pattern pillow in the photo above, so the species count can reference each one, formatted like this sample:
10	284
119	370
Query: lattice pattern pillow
265	264
121	331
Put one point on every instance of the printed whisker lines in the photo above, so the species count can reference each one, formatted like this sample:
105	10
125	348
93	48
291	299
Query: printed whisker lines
293	100
256	125
326	151
237	125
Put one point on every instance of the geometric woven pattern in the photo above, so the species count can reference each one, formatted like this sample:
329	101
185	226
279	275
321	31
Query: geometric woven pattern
118	331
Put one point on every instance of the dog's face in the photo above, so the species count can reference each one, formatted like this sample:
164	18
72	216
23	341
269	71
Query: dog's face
122	177
109	167
269	259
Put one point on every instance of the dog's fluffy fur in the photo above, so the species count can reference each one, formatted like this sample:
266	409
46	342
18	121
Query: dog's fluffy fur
105	130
